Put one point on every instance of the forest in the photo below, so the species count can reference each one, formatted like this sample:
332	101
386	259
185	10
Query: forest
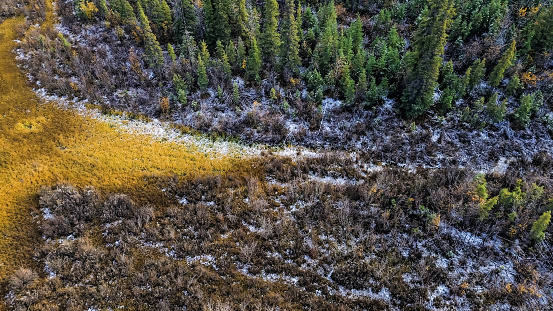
264	155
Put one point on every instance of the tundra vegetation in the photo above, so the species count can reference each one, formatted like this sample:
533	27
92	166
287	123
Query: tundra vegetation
438	194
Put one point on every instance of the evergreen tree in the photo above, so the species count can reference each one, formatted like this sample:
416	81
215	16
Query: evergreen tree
289	60
202	75
504	63
424	61
538	228
124	10
231	53
171	52
184	18
219	49
356	33
154	53
326	48
253	63
241	55
217	21
204	53
188	48
348	85
475	73
226	65
270	38
243	19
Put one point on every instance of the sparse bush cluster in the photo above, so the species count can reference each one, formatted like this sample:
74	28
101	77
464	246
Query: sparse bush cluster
300	234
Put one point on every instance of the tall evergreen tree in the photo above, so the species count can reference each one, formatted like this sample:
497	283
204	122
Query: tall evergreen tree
184	18
253	63
504	63
289	59
424	61
326	48
154	53
270	38
202	75
217	21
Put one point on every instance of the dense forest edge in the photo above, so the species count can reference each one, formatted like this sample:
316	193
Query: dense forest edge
432	83
438	195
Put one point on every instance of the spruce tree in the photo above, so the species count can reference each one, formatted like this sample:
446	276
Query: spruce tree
538	228
289	59
326	48
171	52
184	18
154	53
423	62
204	53
270	38
241	55
475	73
253	63
504	63
217	21
356	33
202	75
243	19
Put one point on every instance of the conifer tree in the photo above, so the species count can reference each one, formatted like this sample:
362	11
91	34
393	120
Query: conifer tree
348	85
289	60
219	49
230	50
253	63
538	228
188	47
424	61
243	19
204	52
475	73
241	55
184	18
356	33
171	52
504	63
217	21
154	53
326	48
270	38
202	75
125	11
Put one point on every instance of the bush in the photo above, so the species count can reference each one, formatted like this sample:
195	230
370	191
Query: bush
537	233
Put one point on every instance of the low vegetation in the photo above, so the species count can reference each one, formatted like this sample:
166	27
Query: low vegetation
297	235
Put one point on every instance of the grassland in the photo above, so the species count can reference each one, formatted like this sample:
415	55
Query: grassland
41	144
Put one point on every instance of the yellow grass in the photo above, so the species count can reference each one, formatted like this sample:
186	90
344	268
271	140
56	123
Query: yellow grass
41	144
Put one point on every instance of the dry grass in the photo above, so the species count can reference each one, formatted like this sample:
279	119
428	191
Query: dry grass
41	144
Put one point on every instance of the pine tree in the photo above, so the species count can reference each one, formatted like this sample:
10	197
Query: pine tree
219	49
171	52
348	85
270	38
326	48
475	73
241	55
188	48
504	63
289	60
243	19
154	53
185	18
424	61
356	33
204	53
202	75
538	228
124	10
217	21
253	63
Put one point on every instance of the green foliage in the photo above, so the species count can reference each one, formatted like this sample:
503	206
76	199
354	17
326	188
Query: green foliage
424	60
496	112
475	73
348	85
253	63
123	10
537	233
202	75
184	18
217	21
504	63
235	94
171	52
481	187
204	52
270	38
514	198
327	46
486	207
154	53
529	104
314	80
289	59
513	86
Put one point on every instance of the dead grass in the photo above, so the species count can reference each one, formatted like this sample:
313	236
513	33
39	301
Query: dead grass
41	144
